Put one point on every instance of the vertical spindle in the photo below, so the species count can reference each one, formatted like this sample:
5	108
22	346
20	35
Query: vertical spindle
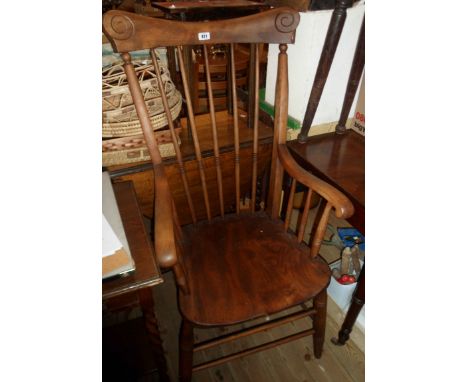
236	127
194	131
255	127
305	215
290	204
219	176
320	231
167	110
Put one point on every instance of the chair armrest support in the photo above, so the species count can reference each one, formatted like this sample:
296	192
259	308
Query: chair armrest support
340	202
164	235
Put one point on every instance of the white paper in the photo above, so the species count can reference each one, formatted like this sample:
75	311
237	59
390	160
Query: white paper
110	241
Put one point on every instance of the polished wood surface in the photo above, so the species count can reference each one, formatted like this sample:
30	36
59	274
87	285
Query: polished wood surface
146	272
119	28
246	264
339	160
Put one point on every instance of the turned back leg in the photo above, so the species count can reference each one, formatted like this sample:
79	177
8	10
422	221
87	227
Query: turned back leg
319	321
185	351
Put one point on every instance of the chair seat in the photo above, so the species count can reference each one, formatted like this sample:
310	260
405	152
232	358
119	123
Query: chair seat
244	267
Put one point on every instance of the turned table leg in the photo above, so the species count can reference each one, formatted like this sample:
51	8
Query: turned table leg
357	303
147	306
328	53
353	81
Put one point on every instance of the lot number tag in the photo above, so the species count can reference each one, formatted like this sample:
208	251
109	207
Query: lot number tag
204	36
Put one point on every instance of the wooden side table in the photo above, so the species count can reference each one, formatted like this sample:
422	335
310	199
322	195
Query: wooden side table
339	160
146	274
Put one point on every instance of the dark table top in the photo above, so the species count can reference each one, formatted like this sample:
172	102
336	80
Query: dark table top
339	160
146	272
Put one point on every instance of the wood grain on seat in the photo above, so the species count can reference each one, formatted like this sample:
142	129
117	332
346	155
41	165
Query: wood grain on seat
241	267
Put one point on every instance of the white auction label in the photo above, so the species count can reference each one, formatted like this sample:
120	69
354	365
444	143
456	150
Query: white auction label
204	36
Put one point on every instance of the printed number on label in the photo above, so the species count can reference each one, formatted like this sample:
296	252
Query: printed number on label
204	36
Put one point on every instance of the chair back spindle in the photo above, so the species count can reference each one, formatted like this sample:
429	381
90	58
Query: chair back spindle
214	131
236	127
305	214
173	134
255	126
316	239
193	127
287	219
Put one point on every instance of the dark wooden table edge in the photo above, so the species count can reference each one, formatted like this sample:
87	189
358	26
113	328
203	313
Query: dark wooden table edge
359	211
145	283
142	285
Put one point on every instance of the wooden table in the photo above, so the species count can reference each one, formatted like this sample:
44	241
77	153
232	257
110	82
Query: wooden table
339	160
146	274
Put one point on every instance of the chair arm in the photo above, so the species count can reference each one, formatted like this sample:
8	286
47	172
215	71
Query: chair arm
164	235
342	205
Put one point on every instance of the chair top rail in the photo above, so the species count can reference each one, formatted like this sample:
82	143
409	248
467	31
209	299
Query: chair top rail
129	31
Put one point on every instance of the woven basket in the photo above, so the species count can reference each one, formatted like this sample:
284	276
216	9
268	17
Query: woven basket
118	111
133	149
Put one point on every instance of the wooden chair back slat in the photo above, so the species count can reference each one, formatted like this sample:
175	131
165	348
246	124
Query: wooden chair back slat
287	219
305	214
236	126
255	126
119	27
193	128
173	134
214	130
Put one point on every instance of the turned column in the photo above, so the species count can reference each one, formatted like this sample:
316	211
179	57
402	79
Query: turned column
151	323
357	302
353	81
328	53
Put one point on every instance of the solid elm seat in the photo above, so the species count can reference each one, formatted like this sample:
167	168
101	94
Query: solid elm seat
240	267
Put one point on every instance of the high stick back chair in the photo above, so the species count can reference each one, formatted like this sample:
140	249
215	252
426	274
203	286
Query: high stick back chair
233	265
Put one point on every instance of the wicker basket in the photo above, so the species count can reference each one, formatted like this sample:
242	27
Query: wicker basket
133	149
118	111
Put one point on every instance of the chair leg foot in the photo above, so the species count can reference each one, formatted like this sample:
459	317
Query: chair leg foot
319	322
185	351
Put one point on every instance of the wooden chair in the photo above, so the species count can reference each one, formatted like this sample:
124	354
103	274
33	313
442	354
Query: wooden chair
233	267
